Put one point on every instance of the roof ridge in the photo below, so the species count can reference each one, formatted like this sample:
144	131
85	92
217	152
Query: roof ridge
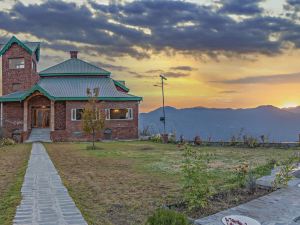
92	65
54	65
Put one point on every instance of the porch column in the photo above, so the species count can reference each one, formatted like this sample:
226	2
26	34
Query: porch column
25	116
52	116
1	119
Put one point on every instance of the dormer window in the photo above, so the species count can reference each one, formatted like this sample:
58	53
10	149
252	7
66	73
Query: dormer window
17	63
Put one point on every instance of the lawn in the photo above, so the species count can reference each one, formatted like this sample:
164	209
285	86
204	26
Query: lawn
13	163
124	182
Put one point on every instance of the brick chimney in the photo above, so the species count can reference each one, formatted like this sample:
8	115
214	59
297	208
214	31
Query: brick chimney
73	54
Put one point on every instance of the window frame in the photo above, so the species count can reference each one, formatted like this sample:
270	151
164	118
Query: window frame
20	68
74	116
107	114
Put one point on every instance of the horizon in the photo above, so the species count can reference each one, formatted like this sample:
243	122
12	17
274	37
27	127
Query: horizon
194	107
242	66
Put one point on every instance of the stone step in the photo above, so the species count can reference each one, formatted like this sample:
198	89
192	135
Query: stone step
38	134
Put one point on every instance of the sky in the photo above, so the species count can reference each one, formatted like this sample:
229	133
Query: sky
215	53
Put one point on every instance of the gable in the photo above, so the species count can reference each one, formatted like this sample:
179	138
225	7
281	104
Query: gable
30	47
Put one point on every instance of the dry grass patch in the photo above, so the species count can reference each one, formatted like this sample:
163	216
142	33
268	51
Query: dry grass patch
124	182
13	163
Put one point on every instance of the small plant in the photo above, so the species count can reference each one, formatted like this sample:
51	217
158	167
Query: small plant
242	170
197	140
233	141
196	186
167	217
145	131
172	138
252	142
156	138
181	139
250	182
284	175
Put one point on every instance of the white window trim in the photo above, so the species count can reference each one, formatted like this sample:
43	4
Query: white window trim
73	114
107	114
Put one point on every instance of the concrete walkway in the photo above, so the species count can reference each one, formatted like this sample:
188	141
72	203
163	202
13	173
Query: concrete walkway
45	199
281	207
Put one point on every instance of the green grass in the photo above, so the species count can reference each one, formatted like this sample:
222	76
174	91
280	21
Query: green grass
16	158
165	160
125	182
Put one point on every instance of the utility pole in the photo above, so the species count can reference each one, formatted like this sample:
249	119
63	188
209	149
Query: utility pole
163	119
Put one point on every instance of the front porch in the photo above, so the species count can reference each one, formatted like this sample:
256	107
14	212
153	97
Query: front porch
38	118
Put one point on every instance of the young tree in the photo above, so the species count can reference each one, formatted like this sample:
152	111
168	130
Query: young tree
91	118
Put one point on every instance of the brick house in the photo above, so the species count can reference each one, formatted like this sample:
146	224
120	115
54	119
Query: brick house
54	98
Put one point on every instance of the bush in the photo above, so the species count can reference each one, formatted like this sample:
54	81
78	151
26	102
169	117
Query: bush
196	186
7	141
167	217
156	138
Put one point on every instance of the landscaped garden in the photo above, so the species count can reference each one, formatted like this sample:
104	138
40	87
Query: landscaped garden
125	182
13	162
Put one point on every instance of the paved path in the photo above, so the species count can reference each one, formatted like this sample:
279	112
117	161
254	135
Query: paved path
281	207
45	199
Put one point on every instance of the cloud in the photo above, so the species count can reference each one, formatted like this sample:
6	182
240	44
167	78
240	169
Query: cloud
154	71
184	68
141	28
175	75
241	7
270	79
228	92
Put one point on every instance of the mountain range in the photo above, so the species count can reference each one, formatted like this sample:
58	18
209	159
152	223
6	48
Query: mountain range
276	124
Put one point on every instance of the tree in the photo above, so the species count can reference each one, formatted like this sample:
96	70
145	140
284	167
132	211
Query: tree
91	117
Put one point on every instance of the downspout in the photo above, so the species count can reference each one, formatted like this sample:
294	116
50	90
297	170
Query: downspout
1	115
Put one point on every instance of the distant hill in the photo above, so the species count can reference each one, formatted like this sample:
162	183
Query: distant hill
221	124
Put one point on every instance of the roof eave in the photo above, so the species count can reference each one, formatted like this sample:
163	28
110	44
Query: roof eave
72	74
121	86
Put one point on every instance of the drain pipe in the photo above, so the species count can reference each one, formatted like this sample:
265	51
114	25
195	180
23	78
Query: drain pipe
1	116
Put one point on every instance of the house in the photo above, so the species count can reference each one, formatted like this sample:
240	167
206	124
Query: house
52	100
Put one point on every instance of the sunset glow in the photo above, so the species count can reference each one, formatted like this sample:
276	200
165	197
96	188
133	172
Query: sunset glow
245	65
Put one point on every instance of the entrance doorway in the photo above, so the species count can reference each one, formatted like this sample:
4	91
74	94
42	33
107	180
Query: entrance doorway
41	117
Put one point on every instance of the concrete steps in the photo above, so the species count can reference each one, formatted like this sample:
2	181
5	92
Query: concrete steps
39	135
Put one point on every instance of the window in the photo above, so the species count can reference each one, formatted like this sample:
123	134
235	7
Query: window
33	66
76	114
16	63
119	114
16	87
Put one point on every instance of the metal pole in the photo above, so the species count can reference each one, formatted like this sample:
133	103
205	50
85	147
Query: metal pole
163	97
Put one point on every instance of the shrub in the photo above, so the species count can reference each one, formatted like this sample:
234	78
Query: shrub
284	175
172	138
252	142
7	141
196	186
167	217
197	140
156	138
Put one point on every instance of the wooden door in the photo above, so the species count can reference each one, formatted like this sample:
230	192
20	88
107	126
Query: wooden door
41	118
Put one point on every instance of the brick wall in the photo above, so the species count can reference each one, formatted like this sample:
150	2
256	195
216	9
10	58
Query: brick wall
121	129
12	118
26	77
60	116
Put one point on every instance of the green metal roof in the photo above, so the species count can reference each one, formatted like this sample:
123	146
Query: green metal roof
67	88
73	67
30	47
